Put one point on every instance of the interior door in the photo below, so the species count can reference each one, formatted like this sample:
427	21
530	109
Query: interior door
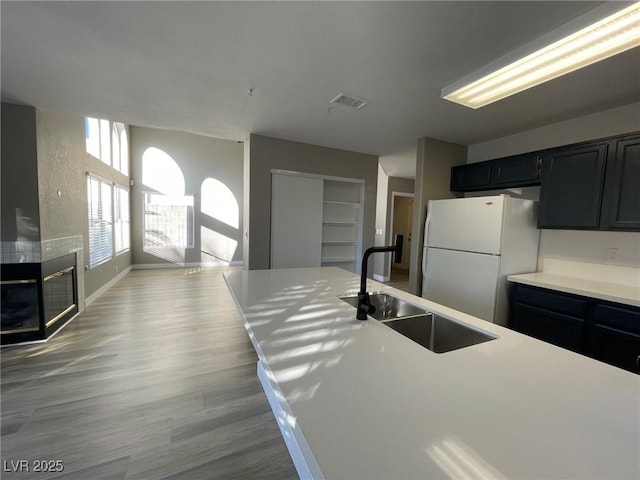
296	221
461	280
402	225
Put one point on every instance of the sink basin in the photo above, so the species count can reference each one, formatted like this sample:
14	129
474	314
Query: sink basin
436	333
387	306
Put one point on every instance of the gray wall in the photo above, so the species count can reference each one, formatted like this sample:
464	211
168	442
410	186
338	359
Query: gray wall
433	172
267	153
43	153
587	246
199	158
19	173
615	121
63	164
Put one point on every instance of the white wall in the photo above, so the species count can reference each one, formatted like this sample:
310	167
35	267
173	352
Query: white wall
577	245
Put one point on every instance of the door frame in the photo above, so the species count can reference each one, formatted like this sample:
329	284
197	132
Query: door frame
390	229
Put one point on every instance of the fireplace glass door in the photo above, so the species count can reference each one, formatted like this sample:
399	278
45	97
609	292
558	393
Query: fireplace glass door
19	303
58	295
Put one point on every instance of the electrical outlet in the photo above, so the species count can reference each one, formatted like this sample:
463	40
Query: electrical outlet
612	254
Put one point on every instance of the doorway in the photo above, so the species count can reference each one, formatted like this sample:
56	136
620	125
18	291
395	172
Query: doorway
401	224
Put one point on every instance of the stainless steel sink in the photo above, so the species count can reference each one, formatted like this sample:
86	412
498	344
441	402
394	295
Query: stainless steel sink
387	306
436	333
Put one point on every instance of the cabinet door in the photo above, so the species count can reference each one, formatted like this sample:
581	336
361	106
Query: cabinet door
552	327
615	337
621	200
296	221
571	187
467	178
516	171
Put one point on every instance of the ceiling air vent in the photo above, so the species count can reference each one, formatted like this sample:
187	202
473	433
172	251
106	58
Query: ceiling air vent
349	101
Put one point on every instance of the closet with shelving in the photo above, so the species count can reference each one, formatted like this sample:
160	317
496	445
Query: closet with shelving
316	221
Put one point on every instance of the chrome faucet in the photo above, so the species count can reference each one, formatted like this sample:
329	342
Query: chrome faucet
364	301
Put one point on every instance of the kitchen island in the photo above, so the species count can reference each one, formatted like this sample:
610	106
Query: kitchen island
356	399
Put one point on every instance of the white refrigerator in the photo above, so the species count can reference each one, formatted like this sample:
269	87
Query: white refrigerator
471	245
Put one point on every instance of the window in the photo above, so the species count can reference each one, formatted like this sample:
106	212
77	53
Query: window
92	136
124	149
100	196
115	141
107	141
121	219
168	221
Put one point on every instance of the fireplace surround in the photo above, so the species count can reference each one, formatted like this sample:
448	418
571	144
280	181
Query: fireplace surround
37	298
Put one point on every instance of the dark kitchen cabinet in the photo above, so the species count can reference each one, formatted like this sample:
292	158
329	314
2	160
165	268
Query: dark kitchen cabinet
549	316
515	171
572	182
468	178
592	186
606	331
616	336
621	199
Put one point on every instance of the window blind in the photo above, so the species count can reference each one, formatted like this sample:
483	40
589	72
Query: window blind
100	196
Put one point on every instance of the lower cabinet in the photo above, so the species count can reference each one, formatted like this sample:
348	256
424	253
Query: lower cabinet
615	336
606	331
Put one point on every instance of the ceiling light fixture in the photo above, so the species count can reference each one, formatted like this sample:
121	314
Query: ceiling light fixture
604	38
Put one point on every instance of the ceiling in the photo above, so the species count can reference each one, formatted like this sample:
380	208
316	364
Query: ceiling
189	66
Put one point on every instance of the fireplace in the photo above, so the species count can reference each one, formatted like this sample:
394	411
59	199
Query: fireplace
59	289
37	298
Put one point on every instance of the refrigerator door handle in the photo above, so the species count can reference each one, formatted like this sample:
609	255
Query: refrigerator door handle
424	249
427	223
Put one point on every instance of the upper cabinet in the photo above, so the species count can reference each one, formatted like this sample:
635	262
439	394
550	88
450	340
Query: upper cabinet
586	186
592	186
571	191
621	199
515	171
472	177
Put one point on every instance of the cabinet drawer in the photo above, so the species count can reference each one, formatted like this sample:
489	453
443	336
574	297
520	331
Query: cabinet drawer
562	330
623	318
557	302
616	347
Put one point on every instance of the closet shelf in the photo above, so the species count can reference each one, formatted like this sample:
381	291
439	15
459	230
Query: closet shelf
339	260
346	204
341	224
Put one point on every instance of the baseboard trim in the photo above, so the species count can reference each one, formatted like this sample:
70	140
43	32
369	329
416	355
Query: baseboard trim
98	293
381	278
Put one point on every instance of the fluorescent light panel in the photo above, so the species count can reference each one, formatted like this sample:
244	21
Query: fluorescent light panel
605	38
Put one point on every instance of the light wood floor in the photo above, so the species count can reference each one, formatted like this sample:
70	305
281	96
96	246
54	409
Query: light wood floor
155	380
399	279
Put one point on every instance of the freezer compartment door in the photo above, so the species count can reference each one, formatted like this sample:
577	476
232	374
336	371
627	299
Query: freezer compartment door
461	280
468	224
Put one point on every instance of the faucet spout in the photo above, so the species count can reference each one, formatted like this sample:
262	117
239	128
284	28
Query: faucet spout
364	301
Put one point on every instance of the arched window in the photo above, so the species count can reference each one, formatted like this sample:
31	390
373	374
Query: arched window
115	140
124	150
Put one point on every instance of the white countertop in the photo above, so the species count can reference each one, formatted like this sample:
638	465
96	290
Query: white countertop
613	292
370	403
